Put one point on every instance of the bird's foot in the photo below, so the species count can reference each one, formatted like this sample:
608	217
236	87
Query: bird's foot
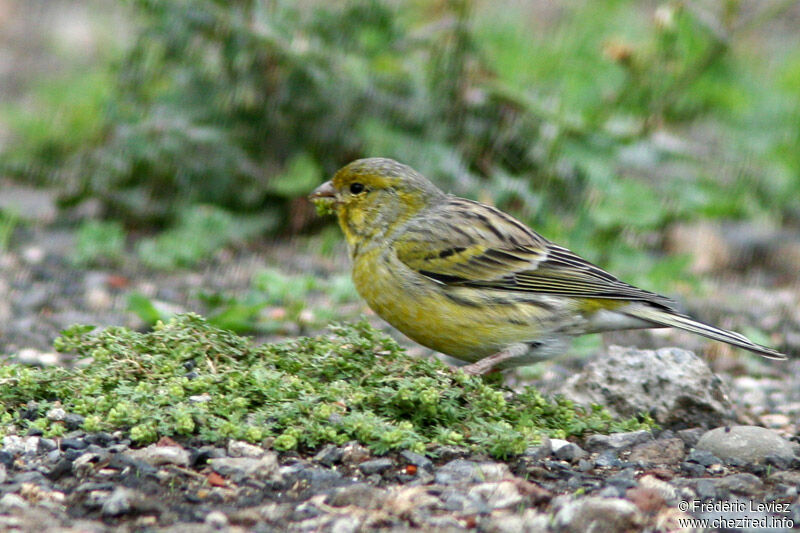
490	363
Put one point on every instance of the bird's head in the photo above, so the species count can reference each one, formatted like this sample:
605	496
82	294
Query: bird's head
371	197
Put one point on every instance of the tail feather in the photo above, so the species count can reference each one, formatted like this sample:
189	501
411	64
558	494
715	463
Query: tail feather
665	318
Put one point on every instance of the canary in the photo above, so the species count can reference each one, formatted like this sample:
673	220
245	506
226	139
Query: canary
472	282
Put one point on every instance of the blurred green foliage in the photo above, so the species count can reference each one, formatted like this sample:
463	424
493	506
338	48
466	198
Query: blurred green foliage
276	303
599	124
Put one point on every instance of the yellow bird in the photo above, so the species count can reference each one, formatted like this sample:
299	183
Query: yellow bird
472	282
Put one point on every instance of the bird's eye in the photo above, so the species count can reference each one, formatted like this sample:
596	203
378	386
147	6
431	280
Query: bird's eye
356	188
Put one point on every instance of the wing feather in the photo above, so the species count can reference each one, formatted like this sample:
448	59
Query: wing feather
478	246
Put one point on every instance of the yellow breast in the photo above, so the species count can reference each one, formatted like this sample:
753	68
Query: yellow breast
465	323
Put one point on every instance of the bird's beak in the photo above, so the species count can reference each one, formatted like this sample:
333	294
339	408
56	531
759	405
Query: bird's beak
324	191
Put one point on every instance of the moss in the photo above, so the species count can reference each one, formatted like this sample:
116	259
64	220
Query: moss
189	379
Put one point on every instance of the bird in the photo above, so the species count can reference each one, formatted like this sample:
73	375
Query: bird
470	281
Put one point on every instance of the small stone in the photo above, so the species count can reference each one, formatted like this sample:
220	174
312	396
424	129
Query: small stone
11	501
265	467
420	461
329	455
592	513
617	441
346	524
667	491
6	459
162	455
56	414
703	457
542	451
353	452
47	445
460	471
216	520
647	500
693	469
74	444
118	502
742	483
658	452
498	495
376	466
567	451
238	448
745	444
361	495
607	458
706	489
775	420
691	436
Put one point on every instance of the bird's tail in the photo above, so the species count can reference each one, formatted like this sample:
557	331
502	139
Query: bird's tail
674	320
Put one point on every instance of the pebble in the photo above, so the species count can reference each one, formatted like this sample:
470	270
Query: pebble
461	471
360	495
329	455
420	461
497	495
265	467
592	513
162	455
745	444
617	441
376	466
703	457
238	448
117	503
216	520
567	451
742	483
543	450
658	452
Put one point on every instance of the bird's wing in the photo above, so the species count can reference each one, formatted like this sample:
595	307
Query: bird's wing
473	245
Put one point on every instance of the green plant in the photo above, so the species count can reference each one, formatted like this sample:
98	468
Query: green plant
99	241
187	378
199	231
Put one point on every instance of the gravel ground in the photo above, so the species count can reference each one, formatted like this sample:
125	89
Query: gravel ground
633	482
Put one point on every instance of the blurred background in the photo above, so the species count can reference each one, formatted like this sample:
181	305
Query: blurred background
155	156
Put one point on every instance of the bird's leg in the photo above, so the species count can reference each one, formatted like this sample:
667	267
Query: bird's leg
487	364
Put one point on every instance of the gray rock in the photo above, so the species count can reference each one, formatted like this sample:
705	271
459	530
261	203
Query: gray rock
162	455
216	520
542	451
497	495
420	461
361	495
238	448
567	451
329	455
617	441
265	467
118	502
672	385
581	515
376	466
745	444
691	436
658	452
531	521
461	471
703	458
742	483
607	458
